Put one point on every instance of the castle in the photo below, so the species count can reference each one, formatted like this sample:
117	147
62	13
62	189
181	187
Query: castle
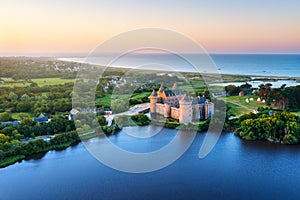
176	104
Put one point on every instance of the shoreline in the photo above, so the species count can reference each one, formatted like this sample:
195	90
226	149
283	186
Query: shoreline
19	158
200	128
81	60
245	77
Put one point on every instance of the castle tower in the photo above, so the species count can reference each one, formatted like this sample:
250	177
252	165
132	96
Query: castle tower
174	87
161	92
167	111
209	109
153	101
161	88
185	108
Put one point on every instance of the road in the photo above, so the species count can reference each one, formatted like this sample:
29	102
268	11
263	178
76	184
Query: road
132	111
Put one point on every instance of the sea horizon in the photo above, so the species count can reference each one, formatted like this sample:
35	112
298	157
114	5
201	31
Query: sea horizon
85	54
282	65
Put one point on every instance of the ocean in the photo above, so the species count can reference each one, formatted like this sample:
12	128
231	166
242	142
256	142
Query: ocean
244	64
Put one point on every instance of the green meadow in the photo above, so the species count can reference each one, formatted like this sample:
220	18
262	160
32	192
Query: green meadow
106	100
238	105
9	82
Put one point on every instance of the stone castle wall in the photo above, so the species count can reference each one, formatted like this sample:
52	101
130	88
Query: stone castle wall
186	112
175	113
160	108
209	110
196	112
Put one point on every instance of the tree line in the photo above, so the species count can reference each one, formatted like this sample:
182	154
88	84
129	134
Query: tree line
280	127
286	98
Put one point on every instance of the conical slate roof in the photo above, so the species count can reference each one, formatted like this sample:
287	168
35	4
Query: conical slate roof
174	86
161	88
153	94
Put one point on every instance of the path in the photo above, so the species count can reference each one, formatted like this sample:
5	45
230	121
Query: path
132	111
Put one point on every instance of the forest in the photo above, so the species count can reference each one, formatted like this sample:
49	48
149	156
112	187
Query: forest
279	127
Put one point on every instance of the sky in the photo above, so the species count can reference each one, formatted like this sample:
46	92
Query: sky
78	26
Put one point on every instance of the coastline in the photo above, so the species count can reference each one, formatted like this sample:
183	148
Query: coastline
255	65
252	78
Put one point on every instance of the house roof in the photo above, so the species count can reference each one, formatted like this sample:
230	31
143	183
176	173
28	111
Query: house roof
41	115
40	119
74	111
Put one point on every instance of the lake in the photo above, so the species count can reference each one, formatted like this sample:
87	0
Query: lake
235	169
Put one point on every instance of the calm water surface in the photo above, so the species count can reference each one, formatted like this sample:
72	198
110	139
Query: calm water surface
235	169
244	64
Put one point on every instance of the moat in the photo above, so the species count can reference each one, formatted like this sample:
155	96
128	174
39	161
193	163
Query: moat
235	169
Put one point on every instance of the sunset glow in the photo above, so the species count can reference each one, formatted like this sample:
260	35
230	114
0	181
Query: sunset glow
79	26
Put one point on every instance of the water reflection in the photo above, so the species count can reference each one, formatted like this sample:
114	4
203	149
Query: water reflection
235	169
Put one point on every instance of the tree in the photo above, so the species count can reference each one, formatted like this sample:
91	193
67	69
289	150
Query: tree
232	90
101	112
28	122
8	130
4	117
12	97
290	139
3	138
25	98
281	126
246	88
102	120
141	119
24	106
16	135
206	93
119	105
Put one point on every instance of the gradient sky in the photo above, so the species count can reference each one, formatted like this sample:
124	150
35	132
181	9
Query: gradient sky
221	26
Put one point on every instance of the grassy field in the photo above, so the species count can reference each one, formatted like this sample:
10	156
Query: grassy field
141	95
239	106
18	116
106	101
237	110
40	81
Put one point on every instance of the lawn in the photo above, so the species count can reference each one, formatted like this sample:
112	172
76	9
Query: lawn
52	81
106	101
194	86
239	106
17	116
237	110
40	81
141	95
